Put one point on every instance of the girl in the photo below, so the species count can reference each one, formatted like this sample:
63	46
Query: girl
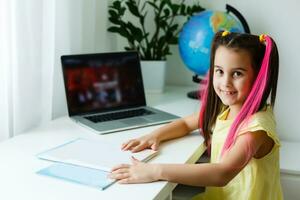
237	123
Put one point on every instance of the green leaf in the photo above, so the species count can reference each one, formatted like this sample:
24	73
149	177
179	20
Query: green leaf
175	8
166	51
122	11
113	13
167	12
173	40
174	27
139	35
122	31
161	42
114	29
135	32
197	9
128	48
171	37
117	4
188	11
114	20
132	6
163	24
168	2
153	5
148	55
182	9
162	4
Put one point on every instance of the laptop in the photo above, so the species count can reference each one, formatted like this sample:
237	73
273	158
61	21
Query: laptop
105	92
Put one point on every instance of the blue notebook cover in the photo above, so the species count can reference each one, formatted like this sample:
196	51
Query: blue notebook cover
78	174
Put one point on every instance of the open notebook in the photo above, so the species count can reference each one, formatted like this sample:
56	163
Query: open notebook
94	154
80	159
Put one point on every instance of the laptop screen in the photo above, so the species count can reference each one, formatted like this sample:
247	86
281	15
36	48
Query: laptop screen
102	82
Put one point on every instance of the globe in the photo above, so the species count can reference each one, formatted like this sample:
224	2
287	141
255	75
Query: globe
196	36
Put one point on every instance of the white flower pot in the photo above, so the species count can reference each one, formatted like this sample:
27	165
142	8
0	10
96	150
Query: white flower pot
154	73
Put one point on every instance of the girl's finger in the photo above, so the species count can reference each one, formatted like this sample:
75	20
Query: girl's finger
125	144
121	170
126	180
119	176
139	147
120	166
130	144
154	146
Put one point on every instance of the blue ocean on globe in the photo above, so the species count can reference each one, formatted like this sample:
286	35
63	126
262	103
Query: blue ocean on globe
196	36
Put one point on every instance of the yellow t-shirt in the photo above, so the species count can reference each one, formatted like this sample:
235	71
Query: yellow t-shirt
260	178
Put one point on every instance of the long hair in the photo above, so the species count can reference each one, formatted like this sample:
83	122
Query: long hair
265	64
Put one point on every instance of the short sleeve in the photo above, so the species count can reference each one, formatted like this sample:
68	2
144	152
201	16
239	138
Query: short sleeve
263	120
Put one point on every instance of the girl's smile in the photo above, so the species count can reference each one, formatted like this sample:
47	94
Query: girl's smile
228	92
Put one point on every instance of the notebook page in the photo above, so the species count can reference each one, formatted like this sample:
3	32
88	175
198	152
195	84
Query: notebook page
94	154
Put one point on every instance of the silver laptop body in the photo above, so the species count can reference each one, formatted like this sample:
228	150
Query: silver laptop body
105	92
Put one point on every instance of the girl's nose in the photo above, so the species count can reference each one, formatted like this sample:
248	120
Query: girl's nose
226	80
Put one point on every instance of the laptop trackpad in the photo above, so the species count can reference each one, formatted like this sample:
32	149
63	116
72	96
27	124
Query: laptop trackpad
135	121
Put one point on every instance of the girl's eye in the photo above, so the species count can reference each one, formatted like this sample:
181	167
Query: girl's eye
219	71
237	74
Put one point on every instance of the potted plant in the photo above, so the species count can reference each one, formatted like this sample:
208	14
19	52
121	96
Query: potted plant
152	45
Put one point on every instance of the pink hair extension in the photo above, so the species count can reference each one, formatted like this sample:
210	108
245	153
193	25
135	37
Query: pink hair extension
203	91
252	103
203	95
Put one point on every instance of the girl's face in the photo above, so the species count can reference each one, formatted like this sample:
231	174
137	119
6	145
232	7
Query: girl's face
233	76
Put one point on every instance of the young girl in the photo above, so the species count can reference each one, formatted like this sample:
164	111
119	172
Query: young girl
237	123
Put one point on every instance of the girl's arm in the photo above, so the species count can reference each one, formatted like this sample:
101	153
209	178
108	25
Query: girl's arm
175	129
215	174
246	146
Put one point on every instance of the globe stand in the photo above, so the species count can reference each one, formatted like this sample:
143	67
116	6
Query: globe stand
195	94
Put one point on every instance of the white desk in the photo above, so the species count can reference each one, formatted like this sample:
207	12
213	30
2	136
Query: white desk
18	162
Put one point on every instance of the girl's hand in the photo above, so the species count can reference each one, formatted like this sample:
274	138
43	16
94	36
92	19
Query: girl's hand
139	144
138	172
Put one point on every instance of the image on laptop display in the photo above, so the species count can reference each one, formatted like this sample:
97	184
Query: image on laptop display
102	82
99	84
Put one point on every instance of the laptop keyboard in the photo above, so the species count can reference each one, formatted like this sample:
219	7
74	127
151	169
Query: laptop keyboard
119	115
